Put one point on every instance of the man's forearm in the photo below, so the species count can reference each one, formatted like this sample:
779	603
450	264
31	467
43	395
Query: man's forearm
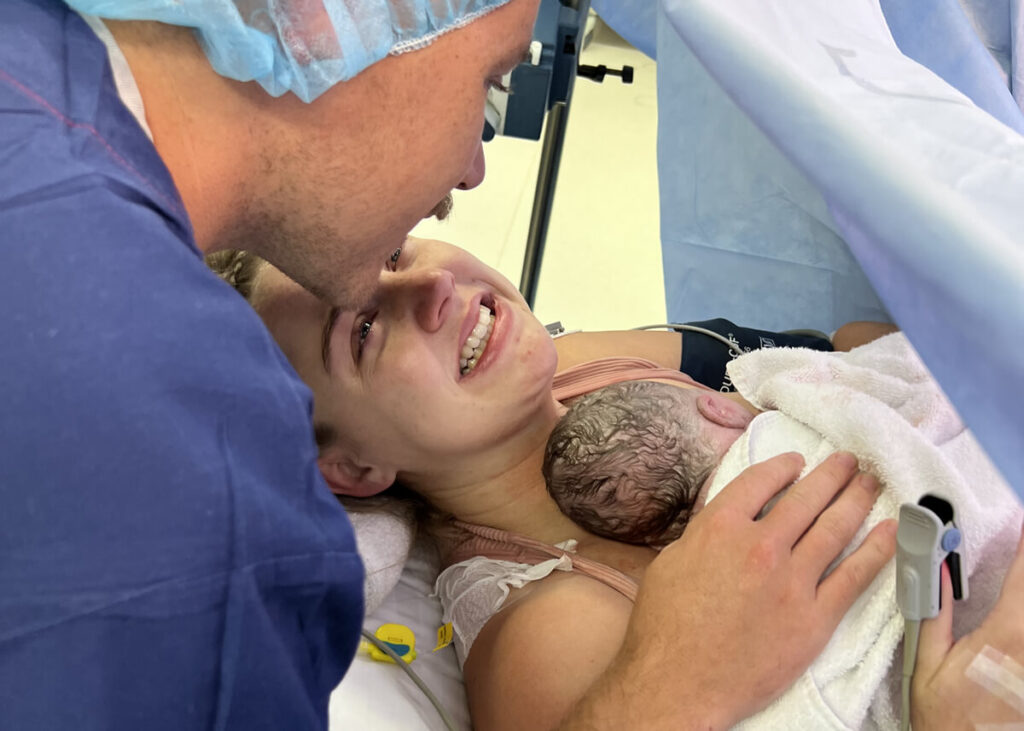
628	695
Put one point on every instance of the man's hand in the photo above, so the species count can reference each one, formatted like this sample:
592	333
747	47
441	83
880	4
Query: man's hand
943	695
729	615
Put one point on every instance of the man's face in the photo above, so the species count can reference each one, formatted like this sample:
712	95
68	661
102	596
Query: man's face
348	176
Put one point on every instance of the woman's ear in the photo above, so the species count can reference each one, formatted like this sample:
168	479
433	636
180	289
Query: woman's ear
723	411
345	477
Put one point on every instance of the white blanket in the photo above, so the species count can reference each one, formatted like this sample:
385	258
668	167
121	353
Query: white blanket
880	403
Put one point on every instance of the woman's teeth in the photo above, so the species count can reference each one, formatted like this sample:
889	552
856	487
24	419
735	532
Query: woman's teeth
474	346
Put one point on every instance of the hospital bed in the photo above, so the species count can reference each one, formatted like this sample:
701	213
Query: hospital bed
818	163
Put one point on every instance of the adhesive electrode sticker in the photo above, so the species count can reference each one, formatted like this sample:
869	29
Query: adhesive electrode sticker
1000	675
445	634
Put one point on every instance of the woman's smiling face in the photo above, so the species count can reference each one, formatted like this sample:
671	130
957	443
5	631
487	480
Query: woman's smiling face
446	362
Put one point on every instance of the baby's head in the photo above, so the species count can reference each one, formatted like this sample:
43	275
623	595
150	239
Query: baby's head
629	461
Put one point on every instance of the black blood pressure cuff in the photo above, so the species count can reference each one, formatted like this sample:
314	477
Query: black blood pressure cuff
704	357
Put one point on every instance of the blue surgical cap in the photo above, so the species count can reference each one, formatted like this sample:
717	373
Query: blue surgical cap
303	46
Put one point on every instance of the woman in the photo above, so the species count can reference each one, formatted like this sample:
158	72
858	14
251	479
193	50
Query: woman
444	384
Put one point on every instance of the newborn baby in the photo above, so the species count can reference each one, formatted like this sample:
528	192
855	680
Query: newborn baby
631	461
634	461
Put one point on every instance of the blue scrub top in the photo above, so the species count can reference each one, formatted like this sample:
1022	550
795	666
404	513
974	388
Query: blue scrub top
170	557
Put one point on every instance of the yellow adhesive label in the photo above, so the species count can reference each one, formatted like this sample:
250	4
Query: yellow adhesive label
445	633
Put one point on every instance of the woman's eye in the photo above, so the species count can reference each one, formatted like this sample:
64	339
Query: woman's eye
393	259
362	333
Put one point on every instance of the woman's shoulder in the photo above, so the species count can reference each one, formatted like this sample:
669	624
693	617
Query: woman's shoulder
550	641
559	592
663	348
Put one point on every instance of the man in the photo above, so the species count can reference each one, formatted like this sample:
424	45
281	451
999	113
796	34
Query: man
170	555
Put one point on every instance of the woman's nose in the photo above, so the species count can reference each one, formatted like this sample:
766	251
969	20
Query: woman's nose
474	175
430	295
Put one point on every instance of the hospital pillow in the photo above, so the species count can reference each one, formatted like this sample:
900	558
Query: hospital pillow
384	537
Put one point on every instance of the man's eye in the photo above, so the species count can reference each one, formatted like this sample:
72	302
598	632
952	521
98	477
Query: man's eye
497	84
392	264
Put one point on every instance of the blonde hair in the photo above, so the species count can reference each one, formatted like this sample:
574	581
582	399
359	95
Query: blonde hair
238	268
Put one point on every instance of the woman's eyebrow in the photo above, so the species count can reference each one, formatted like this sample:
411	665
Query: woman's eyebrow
325	337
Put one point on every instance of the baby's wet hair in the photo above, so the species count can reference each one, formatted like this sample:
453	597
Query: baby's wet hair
628	461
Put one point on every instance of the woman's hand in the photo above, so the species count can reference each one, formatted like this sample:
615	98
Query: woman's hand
729	615
953	687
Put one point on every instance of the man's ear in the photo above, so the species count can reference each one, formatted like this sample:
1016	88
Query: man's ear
722	411
345	477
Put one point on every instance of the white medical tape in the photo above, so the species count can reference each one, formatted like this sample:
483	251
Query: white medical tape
1000	675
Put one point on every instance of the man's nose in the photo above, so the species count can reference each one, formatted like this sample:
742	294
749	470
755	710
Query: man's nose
430	295
474	175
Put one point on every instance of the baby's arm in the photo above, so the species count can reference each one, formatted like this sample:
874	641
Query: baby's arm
537	657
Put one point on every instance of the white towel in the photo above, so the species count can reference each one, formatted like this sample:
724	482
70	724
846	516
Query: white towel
880	403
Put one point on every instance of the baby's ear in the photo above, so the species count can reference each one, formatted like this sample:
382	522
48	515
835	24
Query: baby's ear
345	477
722	411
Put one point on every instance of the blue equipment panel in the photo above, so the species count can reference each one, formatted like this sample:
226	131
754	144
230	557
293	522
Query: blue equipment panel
543	79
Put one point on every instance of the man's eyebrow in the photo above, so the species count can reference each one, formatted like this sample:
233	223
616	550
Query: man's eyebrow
325	337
